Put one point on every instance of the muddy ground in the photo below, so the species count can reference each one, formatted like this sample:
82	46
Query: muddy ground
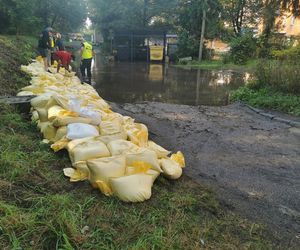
252	162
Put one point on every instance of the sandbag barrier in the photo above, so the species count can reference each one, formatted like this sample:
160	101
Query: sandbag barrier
109	150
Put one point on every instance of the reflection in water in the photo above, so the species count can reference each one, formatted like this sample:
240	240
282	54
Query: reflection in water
156	72
137	82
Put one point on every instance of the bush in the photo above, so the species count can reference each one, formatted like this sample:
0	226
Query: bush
280	75
292	53
242	48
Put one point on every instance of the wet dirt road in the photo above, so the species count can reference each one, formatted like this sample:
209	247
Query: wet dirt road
252	162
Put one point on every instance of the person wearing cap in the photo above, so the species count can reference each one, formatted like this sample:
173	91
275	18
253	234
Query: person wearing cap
59	45
44	46
87	54
63	59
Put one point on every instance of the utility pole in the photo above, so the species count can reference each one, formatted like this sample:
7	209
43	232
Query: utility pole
202	31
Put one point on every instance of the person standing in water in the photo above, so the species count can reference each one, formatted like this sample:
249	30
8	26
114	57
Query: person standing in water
87	54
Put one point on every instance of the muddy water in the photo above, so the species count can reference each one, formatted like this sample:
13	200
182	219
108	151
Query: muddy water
137	82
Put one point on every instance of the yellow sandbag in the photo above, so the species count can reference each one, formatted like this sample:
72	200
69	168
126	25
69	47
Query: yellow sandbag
40	101
138	134
59	100
127	120
118	147
34	89
60	144
132	188
154	174
113	117
73	174
100	104
143	155
160	151
54	112
63	120
110	128
43	114
108	138
80	172
49	131
72	144
60	133
102	169
41	125
140	167
39	59
136	170
88	150
82	167
171	169
179	158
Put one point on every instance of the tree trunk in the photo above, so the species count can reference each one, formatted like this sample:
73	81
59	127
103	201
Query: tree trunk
202	32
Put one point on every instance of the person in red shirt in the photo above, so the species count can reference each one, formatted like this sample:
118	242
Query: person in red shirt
63	59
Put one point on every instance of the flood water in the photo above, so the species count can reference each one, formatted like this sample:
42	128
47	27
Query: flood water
125	82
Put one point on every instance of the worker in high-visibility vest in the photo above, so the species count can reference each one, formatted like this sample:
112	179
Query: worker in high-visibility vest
52	43
87	54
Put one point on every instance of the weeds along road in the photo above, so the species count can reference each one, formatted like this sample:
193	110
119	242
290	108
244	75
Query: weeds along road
252	162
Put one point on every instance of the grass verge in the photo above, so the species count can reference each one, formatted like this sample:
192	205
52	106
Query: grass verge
268	98
14	51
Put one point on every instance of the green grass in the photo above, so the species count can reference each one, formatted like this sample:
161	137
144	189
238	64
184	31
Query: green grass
41	209
14	51
219	65
268	98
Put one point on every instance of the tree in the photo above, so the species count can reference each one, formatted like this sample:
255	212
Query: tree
190	19
63	15
204	10
31	16
241	13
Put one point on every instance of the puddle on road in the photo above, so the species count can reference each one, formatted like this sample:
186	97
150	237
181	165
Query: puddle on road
136	82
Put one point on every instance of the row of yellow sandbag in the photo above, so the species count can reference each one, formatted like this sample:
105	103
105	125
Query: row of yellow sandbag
106	148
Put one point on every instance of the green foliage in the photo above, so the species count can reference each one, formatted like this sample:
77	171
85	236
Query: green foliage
242	48
292	53
30	17
188	45
267	98
189	23
241	14
130	15
283	76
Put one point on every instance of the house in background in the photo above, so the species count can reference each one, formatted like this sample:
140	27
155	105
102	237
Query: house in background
286	24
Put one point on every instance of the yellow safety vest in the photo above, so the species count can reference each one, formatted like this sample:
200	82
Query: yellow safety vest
52	42
87	52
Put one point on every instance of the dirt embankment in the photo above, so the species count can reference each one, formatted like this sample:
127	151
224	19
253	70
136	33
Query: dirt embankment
252	162
13	53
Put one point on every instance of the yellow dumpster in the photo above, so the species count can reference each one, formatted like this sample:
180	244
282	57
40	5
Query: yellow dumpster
156	53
